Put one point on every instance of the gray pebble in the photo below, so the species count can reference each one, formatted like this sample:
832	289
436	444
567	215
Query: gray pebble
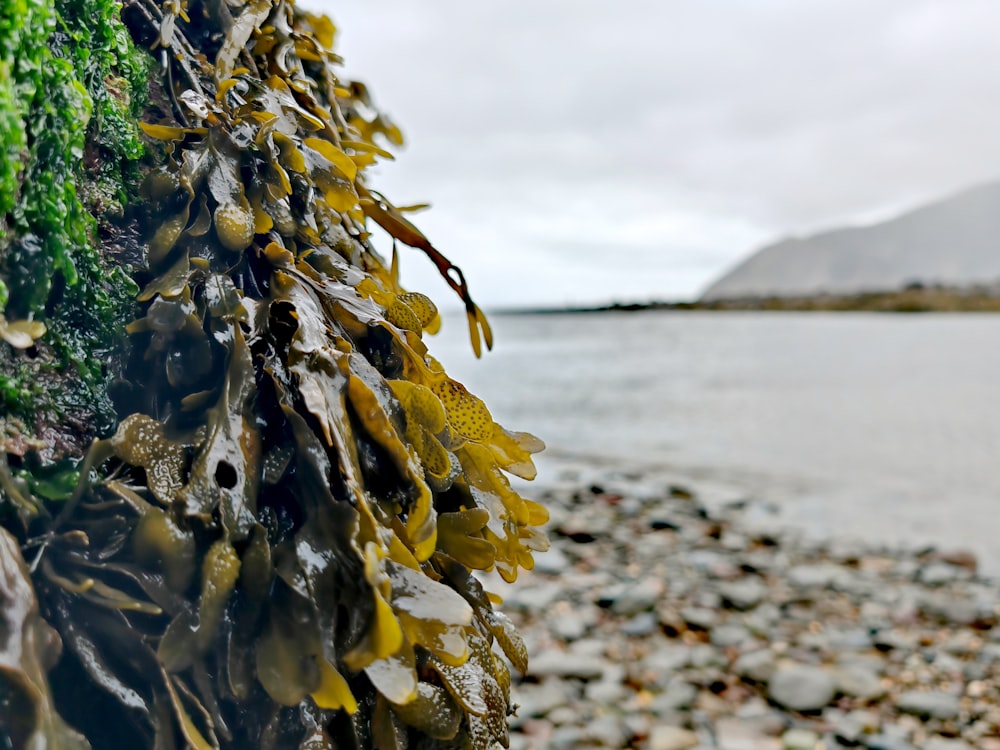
940	573
743	594
639	625
668	658
757	666
605	693
569	627
605	730
858	681
679	696
701	618
552	562
537	700
728	635
802	687
934	704
639	597
816	576
887	742
559	664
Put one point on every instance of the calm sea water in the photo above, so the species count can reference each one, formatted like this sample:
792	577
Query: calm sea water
879	426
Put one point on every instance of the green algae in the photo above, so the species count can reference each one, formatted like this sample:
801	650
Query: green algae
71	86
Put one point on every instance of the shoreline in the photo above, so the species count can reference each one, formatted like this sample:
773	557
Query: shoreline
910	300
658	622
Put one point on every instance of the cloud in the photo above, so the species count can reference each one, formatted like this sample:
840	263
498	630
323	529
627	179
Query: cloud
680	134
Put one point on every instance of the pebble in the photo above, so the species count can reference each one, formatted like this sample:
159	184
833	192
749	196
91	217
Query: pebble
943	743
744	594
887	742
559	664
671	738
933	704
677	697
638	598
815	576
742	734
656	622
757	666
858	681
552	562
802	687
799	739
569	627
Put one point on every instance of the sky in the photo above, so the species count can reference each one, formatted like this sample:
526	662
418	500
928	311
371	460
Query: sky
587	151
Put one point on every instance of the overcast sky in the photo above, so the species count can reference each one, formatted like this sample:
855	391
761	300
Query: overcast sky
585	151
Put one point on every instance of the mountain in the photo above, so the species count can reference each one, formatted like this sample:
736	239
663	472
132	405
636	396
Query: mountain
955	241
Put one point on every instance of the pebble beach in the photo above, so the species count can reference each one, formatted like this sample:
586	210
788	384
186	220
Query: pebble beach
665	619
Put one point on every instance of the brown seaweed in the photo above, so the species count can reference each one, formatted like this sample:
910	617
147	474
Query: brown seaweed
275	547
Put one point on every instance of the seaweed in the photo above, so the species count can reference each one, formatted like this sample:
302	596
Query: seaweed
275	546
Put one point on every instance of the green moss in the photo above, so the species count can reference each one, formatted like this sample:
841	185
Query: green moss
71	86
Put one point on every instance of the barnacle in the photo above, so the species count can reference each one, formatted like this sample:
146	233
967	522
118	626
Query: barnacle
275	547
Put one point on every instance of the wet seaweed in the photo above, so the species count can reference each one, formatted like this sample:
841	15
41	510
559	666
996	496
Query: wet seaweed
275	547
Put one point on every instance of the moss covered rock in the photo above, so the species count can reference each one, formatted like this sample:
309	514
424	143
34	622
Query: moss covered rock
72	85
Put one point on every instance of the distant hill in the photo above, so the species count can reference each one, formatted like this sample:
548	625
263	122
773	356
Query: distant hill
955	242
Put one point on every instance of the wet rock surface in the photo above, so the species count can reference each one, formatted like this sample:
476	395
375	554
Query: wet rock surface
661	622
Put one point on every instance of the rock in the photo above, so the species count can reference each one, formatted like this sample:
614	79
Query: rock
554	663
934	704
849	639
700	618
569	627
566	738
960	557
728	635
887	742
589	647
537	700
706	657
605	692
848	730
663	737
941	573
563	715
858	681
552	562
957	610
664	523
605	730
756	666
679	696
944	743
799	739
743	734
869	721
640	625
667	659
821	576
534	598
743	594
801	687
640	597
889	640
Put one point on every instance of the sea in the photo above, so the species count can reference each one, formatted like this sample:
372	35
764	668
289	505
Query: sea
880	427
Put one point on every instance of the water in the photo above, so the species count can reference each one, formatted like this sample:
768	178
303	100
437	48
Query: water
885	427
